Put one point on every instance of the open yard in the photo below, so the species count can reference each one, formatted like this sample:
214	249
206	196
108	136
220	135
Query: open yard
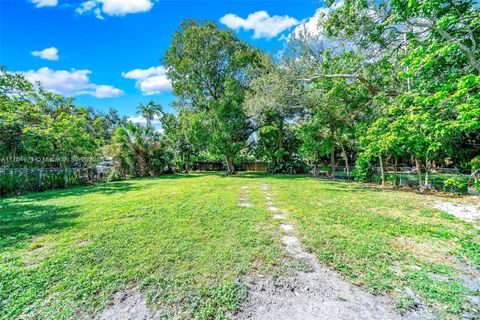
191	246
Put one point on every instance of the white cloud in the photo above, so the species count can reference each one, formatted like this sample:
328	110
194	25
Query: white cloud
45	3
312	31
86	6
70	83
150	81
47	54
262	24
114	7
142	120
312	26
123	7
104	91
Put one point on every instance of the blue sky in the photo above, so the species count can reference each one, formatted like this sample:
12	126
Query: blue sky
89	48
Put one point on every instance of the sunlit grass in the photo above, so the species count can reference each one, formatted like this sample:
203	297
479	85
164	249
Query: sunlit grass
181	239
185	242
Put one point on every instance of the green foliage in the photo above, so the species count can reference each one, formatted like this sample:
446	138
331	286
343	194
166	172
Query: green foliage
456	185
141	151
291	166
38	124
209	70
115	175
476	185
20	181
363	169
475	163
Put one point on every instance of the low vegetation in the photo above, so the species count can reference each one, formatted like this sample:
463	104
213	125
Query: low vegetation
185	241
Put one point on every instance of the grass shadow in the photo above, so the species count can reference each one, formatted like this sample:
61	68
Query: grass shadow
263	175
20	221
102	188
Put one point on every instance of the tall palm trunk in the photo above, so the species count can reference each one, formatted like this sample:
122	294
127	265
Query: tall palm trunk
142	163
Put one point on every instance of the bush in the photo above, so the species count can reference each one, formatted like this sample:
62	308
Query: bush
289	167
363	169
476	185
456	185
475	163
114	175
390	179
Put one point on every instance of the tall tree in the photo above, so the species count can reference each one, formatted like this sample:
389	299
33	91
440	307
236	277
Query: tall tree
209	70
274	101
140	150
150	111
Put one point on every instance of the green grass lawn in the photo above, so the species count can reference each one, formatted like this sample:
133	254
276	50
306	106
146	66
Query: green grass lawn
186	243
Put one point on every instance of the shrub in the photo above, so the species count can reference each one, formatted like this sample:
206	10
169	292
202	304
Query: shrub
456	185
290	167
363	169
114	175
476	185
475	163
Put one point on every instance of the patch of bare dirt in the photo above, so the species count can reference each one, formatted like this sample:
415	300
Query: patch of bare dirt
128	304
244	197
36	254
83	243
318	294
467	211
437	251
321	294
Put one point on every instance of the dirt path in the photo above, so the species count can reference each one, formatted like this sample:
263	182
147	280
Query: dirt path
128	305
460	208
319	294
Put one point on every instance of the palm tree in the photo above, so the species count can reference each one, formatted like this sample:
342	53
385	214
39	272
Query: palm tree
140	149
133	145
150	111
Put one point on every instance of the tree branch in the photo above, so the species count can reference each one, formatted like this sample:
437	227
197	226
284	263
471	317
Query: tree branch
471	57
362	79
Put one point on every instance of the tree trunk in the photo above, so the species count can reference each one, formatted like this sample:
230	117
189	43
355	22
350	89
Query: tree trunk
65	180
186	161
382	171
230	166
419	173
345	157
142	165
427	170
395	163
332	155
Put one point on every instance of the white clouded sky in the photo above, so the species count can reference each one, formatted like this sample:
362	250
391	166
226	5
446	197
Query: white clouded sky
47	54
262	24
70	83
150	81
